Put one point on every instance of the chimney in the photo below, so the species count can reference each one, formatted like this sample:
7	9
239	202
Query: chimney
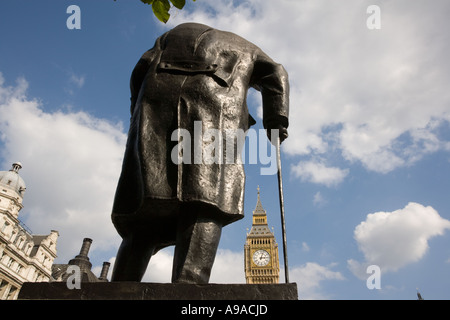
82	260
85	248
104	273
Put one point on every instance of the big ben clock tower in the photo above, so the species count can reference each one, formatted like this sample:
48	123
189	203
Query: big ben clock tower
261	250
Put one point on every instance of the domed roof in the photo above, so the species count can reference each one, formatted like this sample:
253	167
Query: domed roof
12	179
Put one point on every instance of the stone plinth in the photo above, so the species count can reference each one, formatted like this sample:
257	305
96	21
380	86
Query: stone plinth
157	291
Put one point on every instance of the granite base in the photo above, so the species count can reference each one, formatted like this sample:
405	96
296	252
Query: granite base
157	291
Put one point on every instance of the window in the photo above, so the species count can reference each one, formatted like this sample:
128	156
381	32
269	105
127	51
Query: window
9	263
27	249
6	225
20	242
3	287
12	292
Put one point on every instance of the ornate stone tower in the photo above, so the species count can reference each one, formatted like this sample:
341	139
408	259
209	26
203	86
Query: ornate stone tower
262	264
24	257
12	191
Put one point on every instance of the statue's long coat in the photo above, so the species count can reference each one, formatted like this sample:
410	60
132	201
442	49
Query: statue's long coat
193	73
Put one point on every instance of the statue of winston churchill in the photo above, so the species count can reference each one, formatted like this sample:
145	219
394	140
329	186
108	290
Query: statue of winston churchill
194	74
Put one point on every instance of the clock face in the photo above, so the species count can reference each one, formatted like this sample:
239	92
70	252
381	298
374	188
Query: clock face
261	258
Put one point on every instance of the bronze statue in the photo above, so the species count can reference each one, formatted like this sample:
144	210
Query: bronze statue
193	76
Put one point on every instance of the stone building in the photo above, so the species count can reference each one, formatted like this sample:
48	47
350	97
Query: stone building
24	257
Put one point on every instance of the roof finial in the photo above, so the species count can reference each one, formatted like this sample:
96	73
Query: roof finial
258	200
259	209
16	167
419	296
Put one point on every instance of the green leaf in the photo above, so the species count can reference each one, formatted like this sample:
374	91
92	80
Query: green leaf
161	9
179	4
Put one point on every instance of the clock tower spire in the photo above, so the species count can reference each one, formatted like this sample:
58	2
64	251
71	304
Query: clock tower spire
261	250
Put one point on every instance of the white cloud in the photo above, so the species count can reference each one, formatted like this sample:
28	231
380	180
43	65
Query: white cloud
77	80
74	82
309	278
305	247
379	90
319	200
317	172
395	239
228	267
160	267
71	162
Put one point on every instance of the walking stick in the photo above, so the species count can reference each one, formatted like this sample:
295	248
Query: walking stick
283	226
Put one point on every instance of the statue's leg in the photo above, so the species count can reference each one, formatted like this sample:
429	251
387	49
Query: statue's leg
132	258
195	250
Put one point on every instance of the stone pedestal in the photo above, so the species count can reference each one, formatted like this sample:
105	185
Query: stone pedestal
157	291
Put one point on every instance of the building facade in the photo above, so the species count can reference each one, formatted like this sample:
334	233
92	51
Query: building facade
24	257
261	259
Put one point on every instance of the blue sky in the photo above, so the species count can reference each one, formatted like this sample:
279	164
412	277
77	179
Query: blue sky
366	166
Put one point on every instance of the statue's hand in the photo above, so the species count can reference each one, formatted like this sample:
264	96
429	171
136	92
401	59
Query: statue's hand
282	132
